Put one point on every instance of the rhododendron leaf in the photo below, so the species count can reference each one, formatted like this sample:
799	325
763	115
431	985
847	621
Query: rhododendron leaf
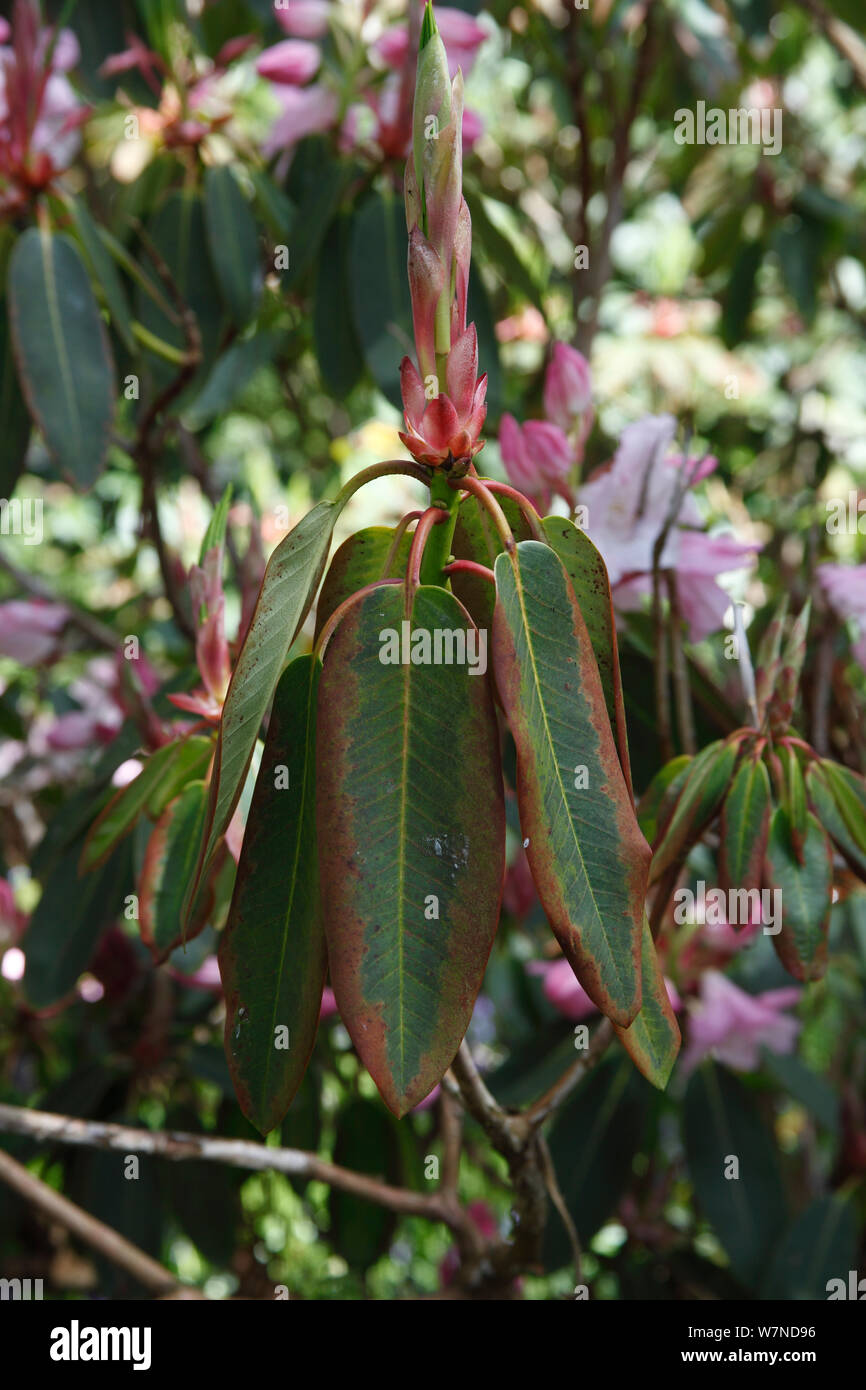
380	299
168	863
587	855
745	1206
849	793
703	790
272	951
105	273
367	1141
794	798
177	229
337	348
656	806
476	538
653	1039
588	574
806	898
164	775
823	802
819	1246
744	826
288	589
61	348
593	1141
411	833
359	561
14	418
233	243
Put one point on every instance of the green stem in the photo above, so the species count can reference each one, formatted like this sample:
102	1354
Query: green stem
437	551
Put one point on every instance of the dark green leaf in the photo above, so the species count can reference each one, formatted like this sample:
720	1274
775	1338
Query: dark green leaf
820	1246
744	827
704	788
380	289
233	243
805	890
337	348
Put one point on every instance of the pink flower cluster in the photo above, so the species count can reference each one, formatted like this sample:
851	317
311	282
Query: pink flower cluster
310	106
542	456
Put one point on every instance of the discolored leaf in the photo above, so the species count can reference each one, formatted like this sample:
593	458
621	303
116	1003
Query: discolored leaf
745	824
61	347
704	788
168	863
288	589
588	574
588	857
657	804
653	1039
359	561
725	1135
411	830
817	1248
805	891
272	952
821	798
593	1142
233	243
165	774
476	538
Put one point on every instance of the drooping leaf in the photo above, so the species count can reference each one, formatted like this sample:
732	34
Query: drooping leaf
476	538
849	793
61	347
14	418
359	561
656	806
411	830
233	243
653	1039
745	823
104	272
704	788
380	290
592	1144
366	1142
288	589
828	813
734	1169
177	230
277	211
588	574
337	348
317	184
164	775
588	857
168	863
820	1246
806	899
272	952
69	919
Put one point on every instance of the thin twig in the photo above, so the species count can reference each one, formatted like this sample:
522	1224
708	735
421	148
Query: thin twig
97	1234
557	1093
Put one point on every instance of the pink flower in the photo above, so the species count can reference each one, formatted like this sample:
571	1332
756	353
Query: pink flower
484	1220
293	61
845	588
461	34
211	647
733	1026
628	504
29	629
537	457
567	387
329	1004
305	110
303	19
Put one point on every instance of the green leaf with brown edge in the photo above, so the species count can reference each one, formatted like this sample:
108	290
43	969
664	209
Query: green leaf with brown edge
61	347
745	824
588	858
411	834
588	574
164	775
168	862
806	896
476	538
656	806
653	1039
849	793
288	589
359	561
827	811
272	952
233	243
702	794
794	798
